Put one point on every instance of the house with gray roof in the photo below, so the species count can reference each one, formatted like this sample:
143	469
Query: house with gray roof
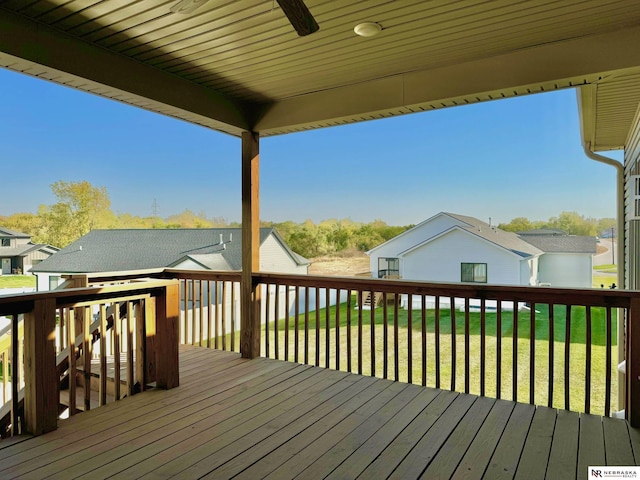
567	259
18	254
449	247
151	249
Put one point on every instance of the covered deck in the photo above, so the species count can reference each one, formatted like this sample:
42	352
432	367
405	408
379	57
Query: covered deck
233	417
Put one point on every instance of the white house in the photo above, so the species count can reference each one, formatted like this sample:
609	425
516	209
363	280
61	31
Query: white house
567	259
454	248
18	254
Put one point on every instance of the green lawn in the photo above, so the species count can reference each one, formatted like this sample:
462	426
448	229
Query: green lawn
410	350
17	281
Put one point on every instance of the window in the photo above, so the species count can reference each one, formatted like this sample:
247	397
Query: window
473	272
388	267
54	280
6	242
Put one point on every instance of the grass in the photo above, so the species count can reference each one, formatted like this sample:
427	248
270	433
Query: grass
611	268
17	281
329	347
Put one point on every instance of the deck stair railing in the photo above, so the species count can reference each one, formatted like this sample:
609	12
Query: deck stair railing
81	347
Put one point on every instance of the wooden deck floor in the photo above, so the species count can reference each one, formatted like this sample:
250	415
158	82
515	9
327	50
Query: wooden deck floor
270	419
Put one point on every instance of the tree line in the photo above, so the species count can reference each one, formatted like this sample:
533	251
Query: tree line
571	223
82	207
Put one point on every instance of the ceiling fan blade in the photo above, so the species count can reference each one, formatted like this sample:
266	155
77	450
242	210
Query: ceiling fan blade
299	16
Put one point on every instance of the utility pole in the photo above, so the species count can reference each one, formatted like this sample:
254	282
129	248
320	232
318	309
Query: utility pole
613	256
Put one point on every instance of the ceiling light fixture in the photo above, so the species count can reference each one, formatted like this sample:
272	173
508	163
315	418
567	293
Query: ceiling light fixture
367	29
187	6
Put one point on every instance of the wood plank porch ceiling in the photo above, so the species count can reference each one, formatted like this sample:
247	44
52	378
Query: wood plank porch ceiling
271	419
237	65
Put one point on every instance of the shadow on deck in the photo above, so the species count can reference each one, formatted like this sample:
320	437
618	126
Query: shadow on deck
260	418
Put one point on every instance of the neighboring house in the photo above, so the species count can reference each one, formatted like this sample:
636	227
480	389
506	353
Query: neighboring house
567	259
455	248
218	249
18	254
146	249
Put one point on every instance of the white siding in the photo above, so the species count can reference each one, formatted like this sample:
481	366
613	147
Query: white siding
632	227
440	260
409	239
274	258
566	270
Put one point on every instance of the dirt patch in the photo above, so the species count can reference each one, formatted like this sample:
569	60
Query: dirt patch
343	266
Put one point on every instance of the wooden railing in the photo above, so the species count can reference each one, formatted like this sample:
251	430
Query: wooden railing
78	341
540	345
543	346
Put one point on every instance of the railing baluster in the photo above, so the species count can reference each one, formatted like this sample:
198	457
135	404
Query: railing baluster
551	353
349	306
296	323
483	345
587	373
286	322
306	325
567	351
192	296
466	344
498	349
437	339
267	317
372	336
607	383
201	312
102	391
71	371
385	336
409	338
532	353
424	340
337	336
327	324
87	351
4	358
233	316
15	376
223	311
452	313
360	307
116	350
130	362
514	372
141	342
318	333
209	316
396	341
276	320
184	288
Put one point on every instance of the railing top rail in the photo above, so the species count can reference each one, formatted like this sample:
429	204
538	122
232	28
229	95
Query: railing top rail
19	303
560	296
229	276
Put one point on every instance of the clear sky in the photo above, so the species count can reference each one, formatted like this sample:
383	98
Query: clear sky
500	159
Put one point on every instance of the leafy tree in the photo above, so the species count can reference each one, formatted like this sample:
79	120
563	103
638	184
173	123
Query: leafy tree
81	207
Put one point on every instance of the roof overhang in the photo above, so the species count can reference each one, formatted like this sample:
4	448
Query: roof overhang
238	66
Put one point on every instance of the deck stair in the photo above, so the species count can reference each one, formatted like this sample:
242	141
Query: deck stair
62	363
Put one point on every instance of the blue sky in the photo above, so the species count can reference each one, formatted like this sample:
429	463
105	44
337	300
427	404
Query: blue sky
500	159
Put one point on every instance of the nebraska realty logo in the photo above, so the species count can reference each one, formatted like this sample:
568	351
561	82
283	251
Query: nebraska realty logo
614	472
